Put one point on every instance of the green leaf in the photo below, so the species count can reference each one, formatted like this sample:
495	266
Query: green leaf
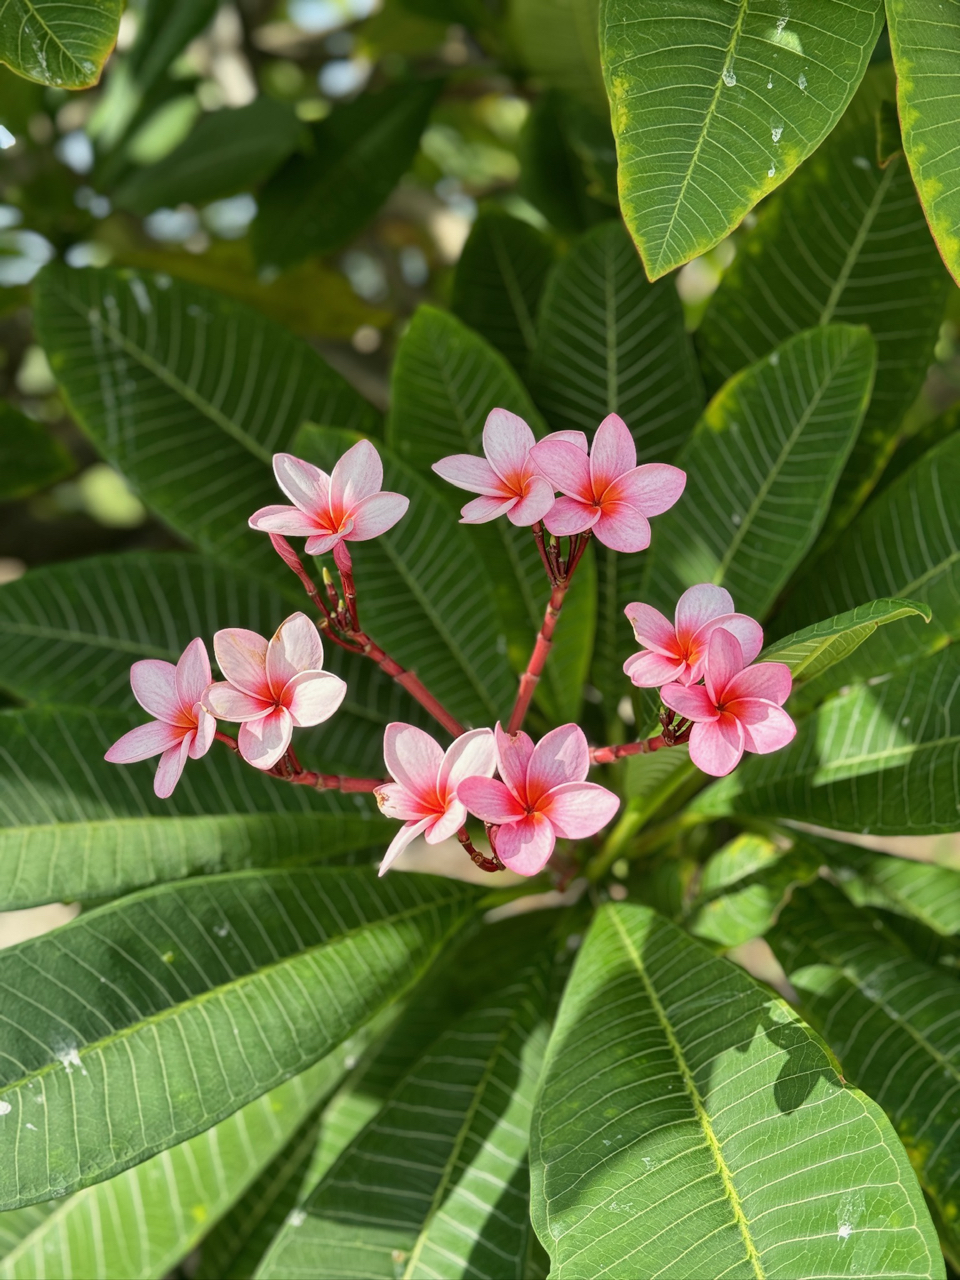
761	469
30	457
925	43
499	280
228	151
906	544
442	1165
446	379
149	1020
881	759
195	1183
892	1022
557	42
824	250
317	202
689	1124
188	394
166	27
60	44
424	593
568	162
714	106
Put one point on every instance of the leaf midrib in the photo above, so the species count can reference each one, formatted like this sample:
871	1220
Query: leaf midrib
27	4
856	245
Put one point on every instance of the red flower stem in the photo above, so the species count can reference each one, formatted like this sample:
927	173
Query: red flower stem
289	769
541	651
607	755
538	538
292	561
341	558
479	859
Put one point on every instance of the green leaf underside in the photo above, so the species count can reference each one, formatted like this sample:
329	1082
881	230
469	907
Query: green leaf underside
63	44
30	459
718	1139
761	468
747	909
498	283
698	97
147	1021
317	202
893	1023
844	241
188	394
881	759
446	379
174	1197
925	43
906	543
443	1163
421	588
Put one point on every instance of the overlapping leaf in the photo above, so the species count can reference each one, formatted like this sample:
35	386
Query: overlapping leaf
713	107
151	1019
30	458
761	468
558	43
718	1138
60	44
568	162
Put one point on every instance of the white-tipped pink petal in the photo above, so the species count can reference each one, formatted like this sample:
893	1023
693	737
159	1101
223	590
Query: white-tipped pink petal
323	543
690	701
405	836
313	696
447	824
526	846
395	801
649	670
652	629
262	742
483	510
623	527
154	685
613	452
513	758
305	485
770	680
204	736
568	516
290	521
766	727
562	755
145	741
577	438
474	754
357	475
717	746
171	767
653	487
489	800
699	605
473	474
724	661
229	703
412	758
376	514
579	809
242	657
507	441
748	633
193	676
295	646
536	502
565	466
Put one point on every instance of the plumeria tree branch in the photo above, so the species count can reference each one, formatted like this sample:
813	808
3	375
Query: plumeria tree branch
289	769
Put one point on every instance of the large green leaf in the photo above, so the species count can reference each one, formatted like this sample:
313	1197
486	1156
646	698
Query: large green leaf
317	202
188	394
568	162
442	1167
30	458
557	42
906	543
499	280
715	105
882	758
63	43
149	1020
689	1124
761	468
173	1198
925	43
893	1023
446	379
844	241
228	151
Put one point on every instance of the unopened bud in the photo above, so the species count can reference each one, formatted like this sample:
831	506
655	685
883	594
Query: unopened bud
286	553
327	579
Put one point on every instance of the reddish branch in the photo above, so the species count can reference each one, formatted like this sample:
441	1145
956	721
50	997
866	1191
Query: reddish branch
478	858
289	769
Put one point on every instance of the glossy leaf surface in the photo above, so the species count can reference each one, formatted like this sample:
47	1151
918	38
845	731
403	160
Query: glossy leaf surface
30	459
63	45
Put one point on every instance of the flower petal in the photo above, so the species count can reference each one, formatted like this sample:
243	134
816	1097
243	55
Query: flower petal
296	646
395	801
145	741
565	466
473	474
242	657
569	515
206	729
413	759
405	836
262	742
305	485
690	701
654	487
376	514
357	475
536	502
448	823
489	800
648	670
526	846
289	520
746	630
652	629
770	680
154	685
766	727
229	703
482	510
699	605
562	755
313	696
579	809
507	441
513	759
622	527
193	675
323	543
716	748
171	766
613	454
577	438
724	661
473	755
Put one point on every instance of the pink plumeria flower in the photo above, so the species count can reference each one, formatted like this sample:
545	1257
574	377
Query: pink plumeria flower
509	483
678	651
272	687
543	795
423	793
347	506
606	491
181	726
737	709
